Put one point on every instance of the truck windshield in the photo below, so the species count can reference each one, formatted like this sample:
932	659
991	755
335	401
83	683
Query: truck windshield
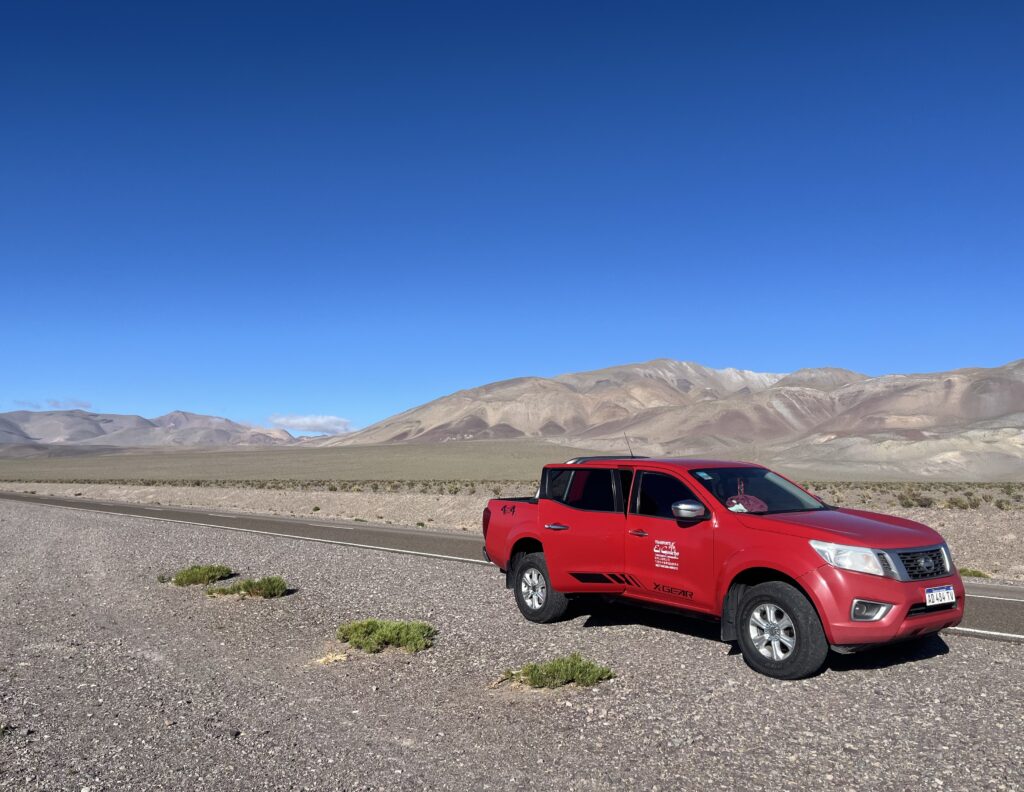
755	491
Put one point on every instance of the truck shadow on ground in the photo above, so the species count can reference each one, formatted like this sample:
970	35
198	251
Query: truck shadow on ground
604	613
912	651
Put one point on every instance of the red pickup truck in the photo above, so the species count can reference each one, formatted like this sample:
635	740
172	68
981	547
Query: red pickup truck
788	575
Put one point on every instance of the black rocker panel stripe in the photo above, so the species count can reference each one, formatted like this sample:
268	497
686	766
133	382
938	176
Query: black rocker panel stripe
609	578
591	577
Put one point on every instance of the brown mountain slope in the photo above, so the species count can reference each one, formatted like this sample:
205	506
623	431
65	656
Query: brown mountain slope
84	429
573	405
967	423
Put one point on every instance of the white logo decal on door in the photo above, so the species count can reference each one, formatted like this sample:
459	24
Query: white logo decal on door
665	554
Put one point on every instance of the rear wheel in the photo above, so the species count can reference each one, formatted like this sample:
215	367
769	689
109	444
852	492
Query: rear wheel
536	599
780	633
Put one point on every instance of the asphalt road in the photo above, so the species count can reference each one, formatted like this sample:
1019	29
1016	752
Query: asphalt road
994	611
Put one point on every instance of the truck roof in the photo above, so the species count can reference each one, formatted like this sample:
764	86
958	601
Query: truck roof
681	462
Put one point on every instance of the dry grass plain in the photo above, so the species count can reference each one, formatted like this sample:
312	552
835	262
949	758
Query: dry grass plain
444	487
476	460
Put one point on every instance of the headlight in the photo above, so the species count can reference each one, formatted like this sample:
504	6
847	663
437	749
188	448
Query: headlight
856	559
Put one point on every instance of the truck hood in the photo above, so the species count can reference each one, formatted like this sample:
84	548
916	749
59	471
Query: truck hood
847	526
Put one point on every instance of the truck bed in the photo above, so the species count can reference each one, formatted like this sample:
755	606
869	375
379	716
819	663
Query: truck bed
501	517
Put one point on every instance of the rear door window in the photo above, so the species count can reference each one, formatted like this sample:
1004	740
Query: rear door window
587	489
557	484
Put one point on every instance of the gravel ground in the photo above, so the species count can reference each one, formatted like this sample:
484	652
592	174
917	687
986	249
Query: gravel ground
986	538
110	680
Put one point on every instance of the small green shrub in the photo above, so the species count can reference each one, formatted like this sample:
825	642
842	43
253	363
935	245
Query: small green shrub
572	669
266	587
910	499
201	575
316	508
977	573
421	525
1002	504
956	502
373	635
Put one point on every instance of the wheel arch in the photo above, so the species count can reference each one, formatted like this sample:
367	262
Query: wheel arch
748	578
521	546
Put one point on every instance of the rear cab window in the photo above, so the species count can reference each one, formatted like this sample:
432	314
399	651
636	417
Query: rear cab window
587	489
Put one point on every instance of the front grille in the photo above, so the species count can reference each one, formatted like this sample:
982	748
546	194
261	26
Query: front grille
917	610
923	564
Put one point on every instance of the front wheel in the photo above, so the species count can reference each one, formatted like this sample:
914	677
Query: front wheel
780	633
537	601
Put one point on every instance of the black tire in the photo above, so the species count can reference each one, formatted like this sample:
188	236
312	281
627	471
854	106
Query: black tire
550	605
793	643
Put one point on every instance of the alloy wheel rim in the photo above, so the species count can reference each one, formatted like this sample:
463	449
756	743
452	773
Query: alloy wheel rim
533	588
772	631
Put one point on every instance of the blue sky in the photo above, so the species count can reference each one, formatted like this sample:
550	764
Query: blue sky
349	209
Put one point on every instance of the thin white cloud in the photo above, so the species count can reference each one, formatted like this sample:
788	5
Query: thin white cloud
28	405
68	404
319	424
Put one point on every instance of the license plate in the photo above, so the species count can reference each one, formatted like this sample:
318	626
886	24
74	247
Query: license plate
940	595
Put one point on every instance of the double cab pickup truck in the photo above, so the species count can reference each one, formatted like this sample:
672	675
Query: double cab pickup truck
787	575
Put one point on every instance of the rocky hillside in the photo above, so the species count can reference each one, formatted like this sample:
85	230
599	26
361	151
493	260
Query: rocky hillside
967	423
85	429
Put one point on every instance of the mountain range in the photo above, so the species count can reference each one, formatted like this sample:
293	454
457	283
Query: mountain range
26	430
962	424
965	424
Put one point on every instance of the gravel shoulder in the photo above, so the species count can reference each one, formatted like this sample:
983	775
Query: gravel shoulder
436	511
985	539
111	680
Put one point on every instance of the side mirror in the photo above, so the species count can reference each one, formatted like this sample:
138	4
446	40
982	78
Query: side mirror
688	510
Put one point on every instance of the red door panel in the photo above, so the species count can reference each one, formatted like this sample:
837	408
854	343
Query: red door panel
582	548
582	528
667	560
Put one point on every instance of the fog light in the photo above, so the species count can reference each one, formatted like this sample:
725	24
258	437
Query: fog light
866	610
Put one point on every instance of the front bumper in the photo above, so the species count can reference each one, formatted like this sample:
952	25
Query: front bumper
834	590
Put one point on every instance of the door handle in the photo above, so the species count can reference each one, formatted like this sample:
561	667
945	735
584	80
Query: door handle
637	532
556	527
